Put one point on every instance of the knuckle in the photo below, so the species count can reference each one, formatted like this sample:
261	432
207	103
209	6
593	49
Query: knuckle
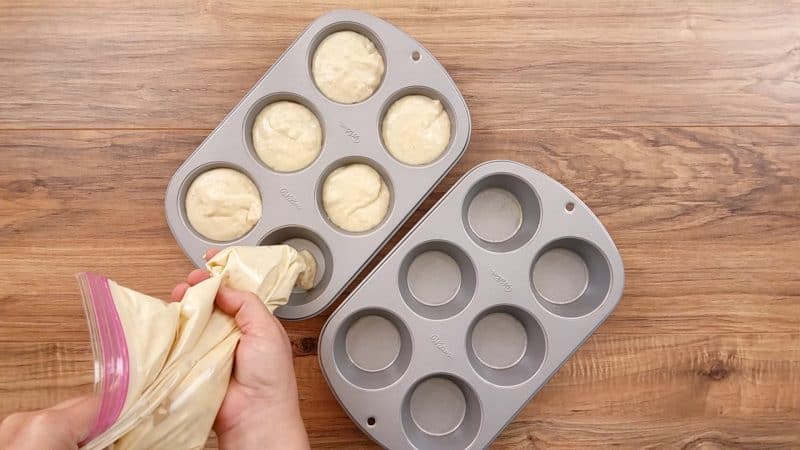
44	420
250	297
13	420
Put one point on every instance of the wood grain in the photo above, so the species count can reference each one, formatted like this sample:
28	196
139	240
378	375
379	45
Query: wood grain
185	64
678	123
703	347
677	391
707	219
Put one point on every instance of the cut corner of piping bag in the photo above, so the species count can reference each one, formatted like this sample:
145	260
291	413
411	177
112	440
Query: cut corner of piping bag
220	260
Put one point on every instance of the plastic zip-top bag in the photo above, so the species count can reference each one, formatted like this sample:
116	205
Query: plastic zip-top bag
162	368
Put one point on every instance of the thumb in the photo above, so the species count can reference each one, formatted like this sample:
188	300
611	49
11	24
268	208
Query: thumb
79	415
249	312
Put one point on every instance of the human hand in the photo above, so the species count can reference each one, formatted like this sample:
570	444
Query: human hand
60	427
261	408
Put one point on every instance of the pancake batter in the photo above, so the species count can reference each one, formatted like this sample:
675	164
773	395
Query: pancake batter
347	67
223	204
287	136
416	129
355	197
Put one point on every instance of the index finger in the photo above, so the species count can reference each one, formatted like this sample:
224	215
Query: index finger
210	253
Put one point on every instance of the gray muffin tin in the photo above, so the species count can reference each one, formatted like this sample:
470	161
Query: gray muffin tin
451	335
292	204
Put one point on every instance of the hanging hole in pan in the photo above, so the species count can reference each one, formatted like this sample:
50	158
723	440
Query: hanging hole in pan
415	55
569	207
371	421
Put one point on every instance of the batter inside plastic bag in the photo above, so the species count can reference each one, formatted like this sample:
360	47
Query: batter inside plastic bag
180	354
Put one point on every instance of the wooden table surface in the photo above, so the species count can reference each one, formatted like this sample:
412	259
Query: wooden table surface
678	122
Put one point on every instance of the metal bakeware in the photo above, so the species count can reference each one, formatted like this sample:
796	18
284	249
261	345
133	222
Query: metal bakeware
473	311
292	204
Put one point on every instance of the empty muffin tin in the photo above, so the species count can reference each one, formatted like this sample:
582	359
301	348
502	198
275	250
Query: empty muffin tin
473	311
292	203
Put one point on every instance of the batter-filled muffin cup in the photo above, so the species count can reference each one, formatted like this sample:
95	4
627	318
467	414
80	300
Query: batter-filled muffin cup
347	67
287	136
416	129
355	197
223	204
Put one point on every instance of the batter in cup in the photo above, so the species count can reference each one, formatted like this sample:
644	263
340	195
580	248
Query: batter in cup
347	67
287	136
223	204
416	129
355	197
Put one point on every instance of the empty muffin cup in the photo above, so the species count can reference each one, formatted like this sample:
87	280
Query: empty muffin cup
570	277
437	406
441	411
434	278
505	345
560	275
501	213
437	280
499	340
495	215
372	349
372	343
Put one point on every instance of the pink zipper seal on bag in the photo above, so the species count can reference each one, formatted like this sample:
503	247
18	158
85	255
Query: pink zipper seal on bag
113	359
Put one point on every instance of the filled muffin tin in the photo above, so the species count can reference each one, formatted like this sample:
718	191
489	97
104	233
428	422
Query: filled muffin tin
475	309
292	208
